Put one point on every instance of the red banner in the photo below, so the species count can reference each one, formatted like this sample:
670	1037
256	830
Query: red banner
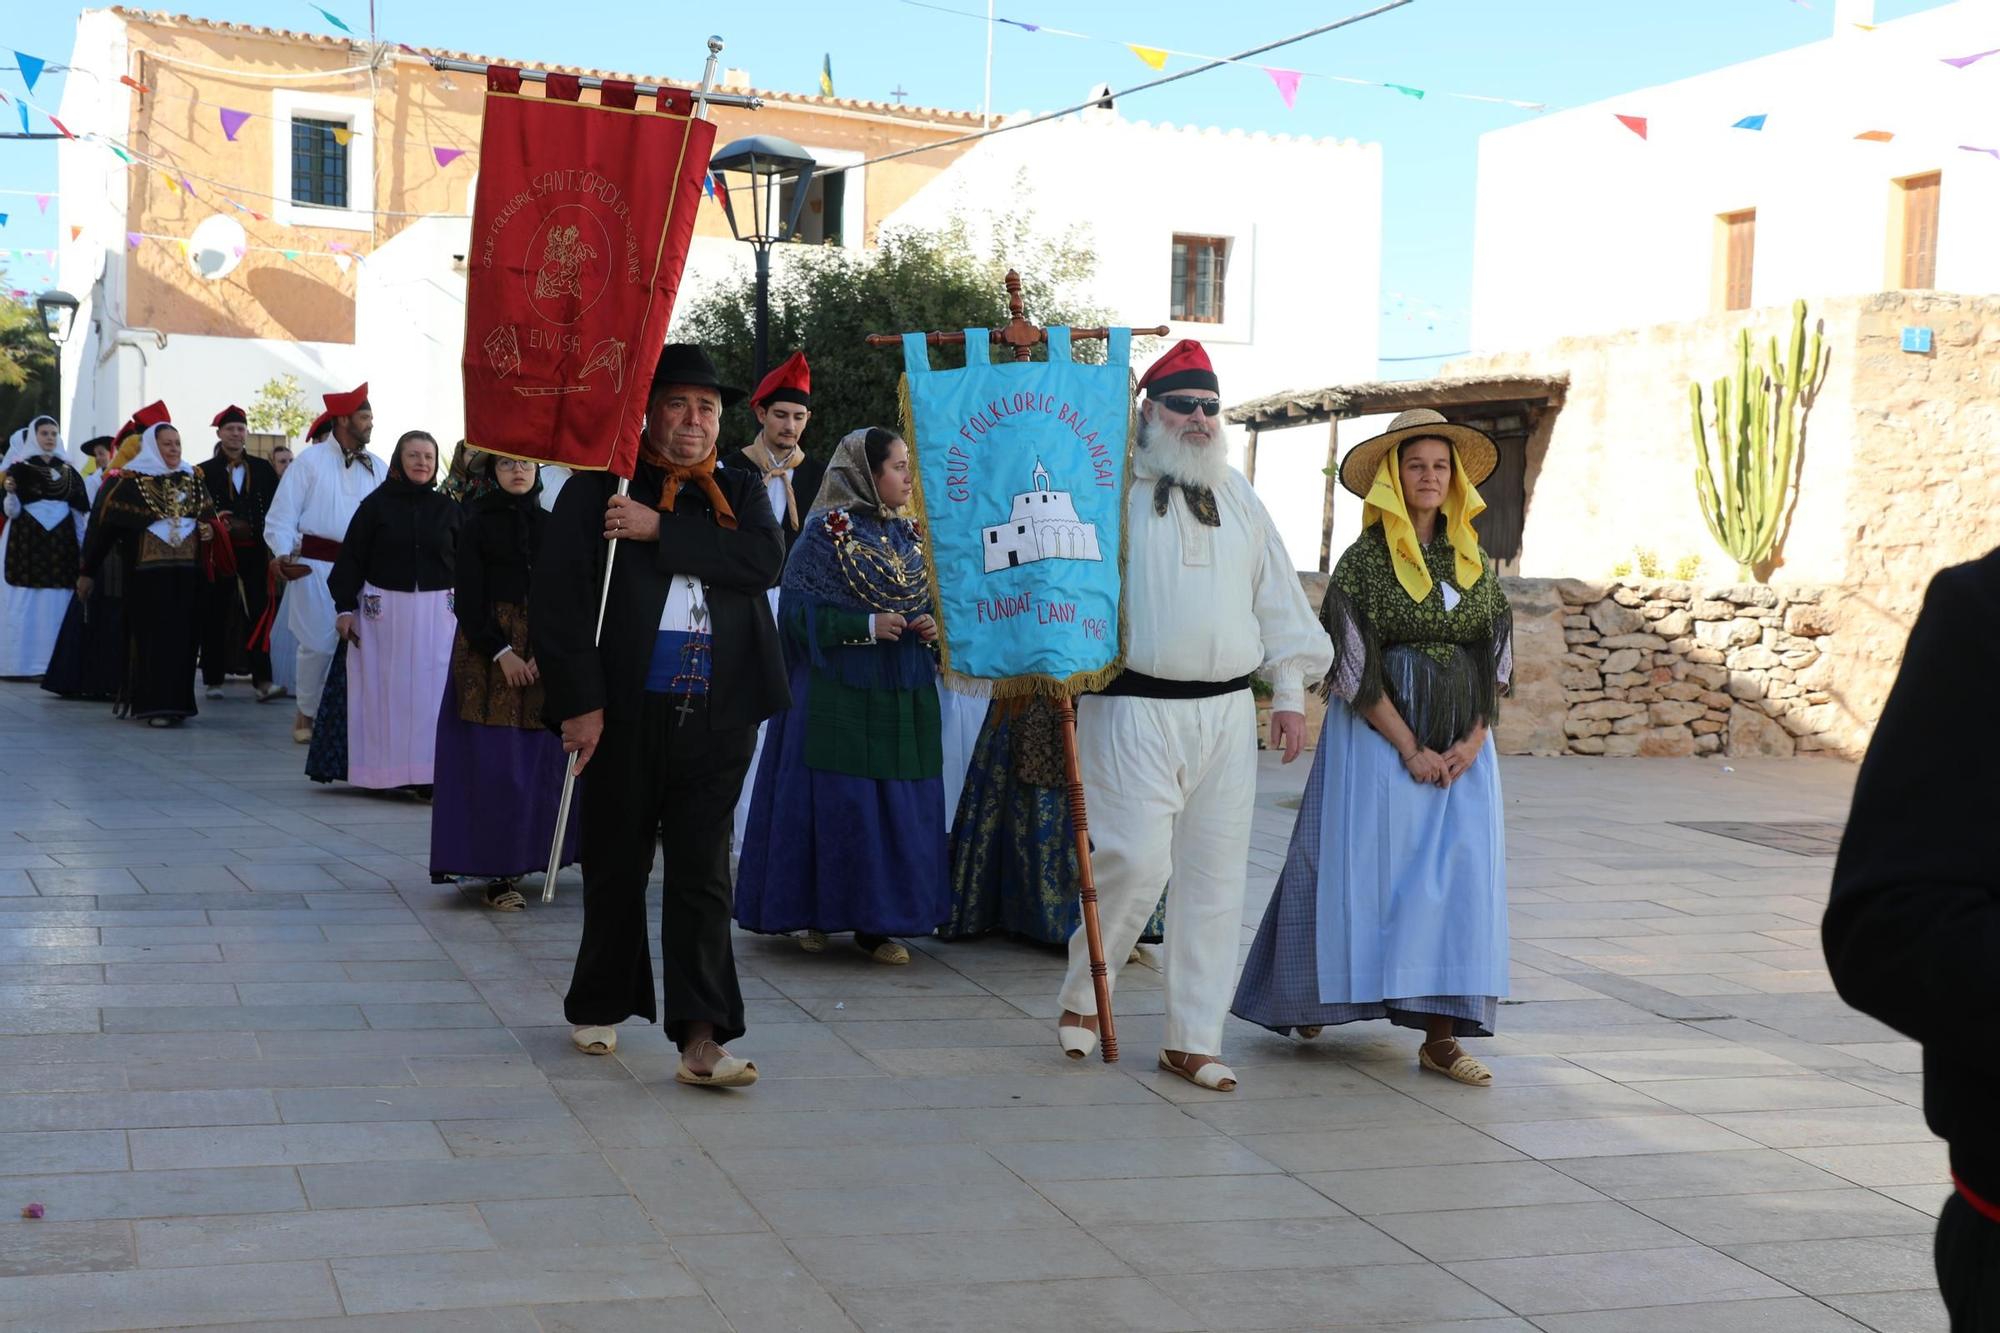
579	234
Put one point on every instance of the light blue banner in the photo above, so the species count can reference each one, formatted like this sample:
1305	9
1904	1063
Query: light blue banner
1021	471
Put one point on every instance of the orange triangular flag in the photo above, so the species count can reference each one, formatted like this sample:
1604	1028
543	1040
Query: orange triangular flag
75	232
1152	55
1636	124
1876	136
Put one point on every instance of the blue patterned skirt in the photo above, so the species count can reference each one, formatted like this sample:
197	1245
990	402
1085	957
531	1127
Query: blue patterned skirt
1393	900
326	757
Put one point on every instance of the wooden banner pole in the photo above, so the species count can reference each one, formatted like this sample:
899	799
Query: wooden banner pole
1021	336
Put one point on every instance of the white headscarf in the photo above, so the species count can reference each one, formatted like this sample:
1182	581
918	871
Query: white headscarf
148	462
21	446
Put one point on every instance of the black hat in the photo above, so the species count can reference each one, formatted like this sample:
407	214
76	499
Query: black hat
687	363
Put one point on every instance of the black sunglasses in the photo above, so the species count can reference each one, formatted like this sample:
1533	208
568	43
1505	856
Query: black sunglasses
1187	407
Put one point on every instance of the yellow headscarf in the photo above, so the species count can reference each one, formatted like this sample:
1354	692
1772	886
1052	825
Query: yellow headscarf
1384	505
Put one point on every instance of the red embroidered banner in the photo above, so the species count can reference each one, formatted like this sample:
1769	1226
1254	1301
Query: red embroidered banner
579	234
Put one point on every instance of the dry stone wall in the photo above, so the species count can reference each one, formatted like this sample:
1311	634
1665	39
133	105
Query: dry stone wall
1671	669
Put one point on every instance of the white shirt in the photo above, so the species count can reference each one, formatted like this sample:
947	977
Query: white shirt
317	497
1213	604
236	478
685	596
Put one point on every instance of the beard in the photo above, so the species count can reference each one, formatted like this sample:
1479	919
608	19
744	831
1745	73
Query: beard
1184	454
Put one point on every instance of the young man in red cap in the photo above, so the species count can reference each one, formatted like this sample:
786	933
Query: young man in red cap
242	486
1169	749
783	404
306	524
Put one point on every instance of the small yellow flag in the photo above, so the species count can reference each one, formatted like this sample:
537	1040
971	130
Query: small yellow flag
171	179
1152	55
341	136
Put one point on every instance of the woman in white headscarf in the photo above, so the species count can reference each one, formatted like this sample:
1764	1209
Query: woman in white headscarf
46	506
160	513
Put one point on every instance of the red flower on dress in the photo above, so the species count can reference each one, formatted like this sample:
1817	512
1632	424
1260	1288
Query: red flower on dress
838	525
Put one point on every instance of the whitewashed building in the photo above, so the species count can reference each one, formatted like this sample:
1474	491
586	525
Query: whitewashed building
1584	227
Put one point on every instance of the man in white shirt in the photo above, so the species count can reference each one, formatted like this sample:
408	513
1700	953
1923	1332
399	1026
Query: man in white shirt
1169	749
308	521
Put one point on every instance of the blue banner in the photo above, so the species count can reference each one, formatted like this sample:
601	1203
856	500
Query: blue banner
1021	483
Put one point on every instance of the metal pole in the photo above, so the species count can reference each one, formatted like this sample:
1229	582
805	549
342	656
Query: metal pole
762	343
701	101
744	100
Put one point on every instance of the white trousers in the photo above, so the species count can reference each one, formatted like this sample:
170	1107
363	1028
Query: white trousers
308	608
1171	786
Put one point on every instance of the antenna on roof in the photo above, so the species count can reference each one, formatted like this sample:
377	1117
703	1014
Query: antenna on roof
1100	97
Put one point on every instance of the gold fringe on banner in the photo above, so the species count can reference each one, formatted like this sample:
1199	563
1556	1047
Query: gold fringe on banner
1018	687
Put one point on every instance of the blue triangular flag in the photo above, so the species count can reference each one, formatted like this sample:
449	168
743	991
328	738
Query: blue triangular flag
24	116
332	18
3	219
1755	122
31	68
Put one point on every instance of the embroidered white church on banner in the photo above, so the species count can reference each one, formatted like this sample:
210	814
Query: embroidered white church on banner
1043	526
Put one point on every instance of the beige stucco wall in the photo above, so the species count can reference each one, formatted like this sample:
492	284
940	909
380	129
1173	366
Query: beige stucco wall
414	110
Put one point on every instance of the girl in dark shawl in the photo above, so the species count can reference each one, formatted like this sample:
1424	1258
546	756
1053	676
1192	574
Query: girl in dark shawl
499	770
847	821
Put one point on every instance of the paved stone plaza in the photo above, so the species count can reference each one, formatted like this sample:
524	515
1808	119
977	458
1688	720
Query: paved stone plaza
263	1074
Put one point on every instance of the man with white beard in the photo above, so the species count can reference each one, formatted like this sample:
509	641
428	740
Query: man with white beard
1169	749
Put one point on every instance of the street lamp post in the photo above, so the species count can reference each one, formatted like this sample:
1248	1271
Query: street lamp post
767	161
58	312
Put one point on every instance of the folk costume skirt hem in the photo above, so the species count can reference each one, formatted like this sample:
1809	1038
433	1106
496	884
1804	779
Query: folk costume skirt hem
1393	900
833	852
394	676
493	813
162	610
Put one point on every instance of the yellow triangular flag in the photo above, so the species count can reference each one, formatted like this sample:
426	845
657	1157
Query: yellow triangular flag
341	136
1152	55
171	179
184	248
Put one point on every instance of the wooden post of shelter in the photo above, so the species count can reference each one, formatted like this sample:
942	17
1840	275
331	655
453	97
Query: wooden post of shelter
1021	336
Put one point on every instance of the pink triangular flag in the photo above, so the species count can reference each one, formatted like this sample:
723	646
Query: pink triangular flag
1636	124
1288	84
132	239
42	202
446	156
232	121
1961	62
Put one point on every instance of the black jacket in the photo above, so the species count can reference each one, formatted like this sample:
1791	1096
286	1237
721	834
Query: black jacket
1912	933
402	538
736	566
497	549
260	483
806	478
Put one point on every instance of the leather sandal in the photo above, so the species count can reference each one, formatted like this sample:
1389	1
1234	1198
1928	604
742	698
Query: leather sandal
729	1072
594	1040
890	953
1215	1075
1076	1042
1464	1069
813	941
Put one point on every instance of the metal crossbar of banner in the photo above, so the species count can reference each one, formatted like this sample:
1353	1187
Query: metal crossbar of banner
1021	337
707	96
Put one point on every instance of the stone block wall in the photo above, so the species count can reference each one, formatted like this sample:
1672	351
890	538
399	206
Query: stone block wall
1670	669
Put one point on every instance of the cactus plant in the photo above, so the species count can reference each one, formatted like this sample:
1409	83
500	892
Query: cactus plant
1759	413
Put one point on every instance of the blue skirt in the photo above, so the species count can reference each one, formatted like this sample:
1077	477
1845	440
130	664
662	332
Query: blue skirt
493	808
832	852
1404	916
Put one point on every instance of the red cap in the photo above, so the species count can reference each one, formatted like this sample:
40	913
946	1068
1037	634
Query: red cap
152	414
229	414
1185	366
791	382
337	405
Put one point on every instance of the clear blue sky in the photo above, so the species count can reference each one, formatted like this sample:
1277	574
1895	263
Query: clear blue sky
1560	52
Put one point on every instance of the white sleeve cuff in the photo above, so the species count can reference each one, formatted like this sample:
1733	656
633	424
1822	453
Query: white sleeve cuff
1288	693
503	652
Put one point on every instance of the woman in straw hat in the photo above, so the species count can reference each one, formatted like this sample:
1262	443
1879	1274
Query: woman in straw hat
1405	918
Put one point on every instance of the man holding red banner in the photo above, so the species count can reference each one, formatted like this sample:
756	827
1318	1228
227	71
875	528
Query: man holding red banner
663	710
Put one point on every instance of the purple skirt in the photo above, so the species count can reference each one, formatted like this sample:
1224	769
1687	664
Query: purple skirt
827	851
493	811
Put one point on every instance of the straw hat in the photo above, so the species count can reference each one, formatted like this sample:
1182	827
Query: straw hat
1476	452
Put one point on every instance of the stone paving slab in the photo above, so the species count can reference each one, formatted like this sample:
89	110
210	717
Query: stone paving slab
265	1076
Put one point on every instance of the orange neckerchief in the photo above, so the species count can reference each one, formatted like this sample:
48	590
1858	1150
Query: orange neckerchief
702	474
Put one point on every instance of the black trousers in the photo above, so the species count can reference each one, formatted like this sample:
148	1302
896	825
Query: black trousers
226	620
1968	1267
660	778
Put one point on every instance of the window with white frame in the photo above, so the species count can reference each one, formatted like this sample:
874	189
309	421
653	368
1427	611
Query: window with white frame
1200	264
322	160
